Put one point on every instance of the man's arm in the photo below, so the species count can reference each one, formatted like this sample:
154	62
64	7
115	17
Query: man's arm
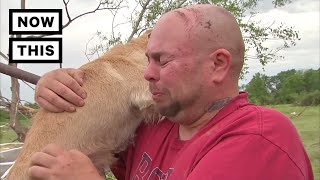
60	90
55	163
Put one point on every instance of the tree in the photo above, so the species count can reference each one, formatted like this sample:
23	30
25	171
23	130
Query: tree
257	89
287	86
300	87
311	80
311	84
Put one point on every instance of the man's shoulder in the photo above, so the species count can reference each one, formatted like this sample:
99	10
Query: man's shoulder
271	121
248	132
276	129
268	123
263	118
240	114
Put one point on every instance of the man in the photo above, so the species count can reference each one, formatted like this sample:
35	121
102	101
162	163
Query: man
211	131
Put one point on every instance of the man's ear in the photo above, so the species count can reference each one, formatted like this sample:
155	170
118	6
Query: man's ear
221	59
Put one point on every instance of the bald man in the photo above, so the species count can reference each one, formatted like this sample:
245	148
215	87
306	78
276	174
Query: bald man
211	131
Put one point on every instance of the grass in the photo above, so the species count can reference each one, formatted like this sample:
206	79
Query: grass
6	133
307	124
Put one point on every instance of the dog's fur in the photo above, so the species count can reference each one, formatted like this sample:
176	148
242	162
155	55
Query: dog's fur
118	100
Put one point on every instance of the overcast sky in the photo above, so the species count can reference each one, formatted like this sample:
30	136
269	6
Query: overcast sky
303	15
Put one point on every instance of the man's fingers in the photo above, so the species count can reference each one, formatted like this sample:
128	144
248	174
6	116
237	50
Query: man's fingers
60	90
53	150
49	99
74	153
48	106
77	74
72	84
42	159
66	93
38	172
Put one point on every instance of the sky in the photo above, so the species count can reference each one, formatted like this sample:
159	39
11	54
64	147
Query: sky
303	15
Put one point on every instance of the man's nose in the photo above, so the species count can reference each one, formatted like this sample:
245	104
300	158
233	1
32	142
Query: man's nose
152	72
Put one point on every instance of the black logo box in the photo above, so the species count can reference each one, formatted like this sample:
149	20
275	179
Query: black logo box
35	61
11	11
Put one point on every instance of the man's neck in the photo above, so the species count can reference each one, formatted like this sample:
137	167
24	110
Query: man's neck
188	130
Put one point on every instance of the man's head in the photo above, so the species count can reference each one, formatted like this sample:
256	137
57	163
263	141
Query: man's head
195	57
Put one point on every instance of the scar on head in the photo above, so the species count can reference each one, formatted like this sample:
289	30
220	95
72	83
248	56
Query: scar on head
208	25
182	16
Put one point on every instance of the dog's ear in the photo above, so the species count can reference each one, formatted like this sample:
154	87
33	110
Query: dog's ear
142	105
151	115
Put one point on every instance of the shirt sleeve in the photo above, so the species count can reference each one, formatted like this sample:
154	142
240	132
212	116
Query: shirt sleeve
246	157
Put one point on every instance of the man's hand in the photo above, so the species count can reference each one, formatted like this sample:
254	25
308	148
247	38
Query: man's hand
60	90
55	163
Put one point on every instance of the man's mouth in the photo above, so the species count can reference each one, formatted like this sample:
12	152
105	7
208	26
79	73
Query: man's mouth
156	93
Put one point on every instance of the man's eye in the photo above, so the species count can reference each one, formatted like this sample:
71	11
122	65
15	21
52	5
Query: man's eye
166	60
162	63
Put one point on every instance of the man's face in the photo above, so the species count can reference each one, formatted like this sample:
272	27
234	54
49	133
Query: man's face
175	70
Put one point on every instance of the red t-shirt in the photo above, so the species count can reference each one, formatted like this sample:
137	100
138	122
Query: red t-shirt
242	142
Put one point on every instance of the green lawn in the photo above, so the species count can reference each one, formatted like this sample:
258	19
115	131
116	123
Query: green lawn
6	133
308	125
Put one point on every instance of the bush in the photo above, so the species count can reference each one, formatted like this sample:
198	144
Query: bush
310	99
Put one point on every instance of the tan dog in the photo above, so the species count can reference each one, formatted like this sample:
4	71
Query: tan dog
118	100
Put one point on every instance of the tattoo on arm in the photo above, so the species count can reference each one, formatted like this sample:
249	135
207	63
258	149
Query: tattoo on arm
219	104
